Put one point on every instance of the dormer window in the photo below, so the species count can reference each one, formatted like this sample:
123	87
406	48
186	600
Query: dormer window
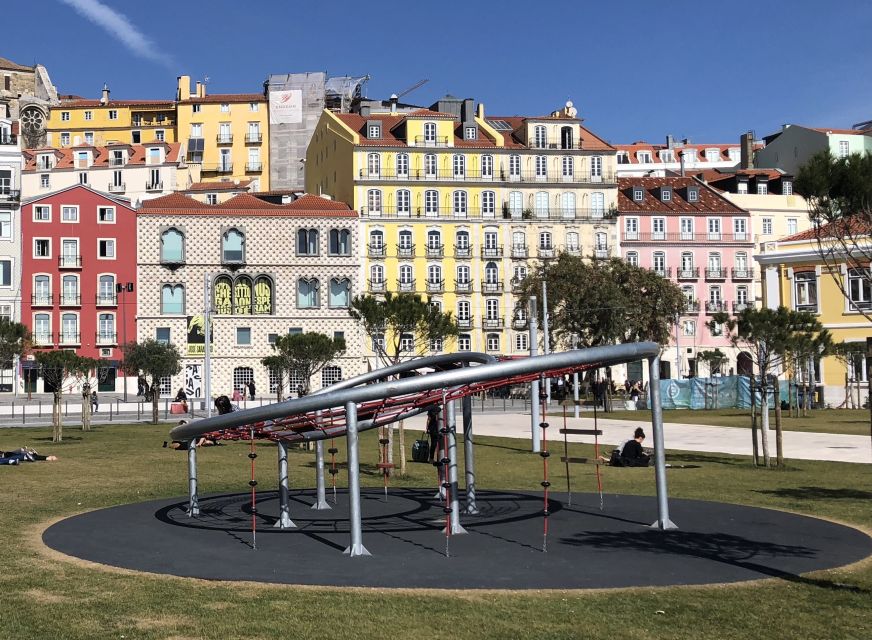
742	186
644	157
666	194
692	194
638	194
734	153
623	157
83	159
667	155
762	188
373	130
470	133
44	161
786	188
712	155
689	155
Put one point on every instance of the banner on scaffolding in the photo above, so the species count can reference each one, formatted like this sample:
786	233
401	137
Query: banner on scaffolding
725	392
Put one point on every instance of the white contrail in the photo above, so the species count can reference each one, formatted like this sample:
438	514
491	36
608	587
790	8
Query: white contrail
121	28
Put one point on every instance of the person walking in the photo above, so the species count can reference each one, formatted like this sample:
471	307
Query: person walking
95	402
251	389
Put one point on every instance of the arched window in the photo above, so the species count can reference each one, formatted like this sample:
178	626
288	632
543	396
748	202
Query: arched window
461	240
373	165
519	241
566	138
487	167
493	342
430	165
488	203
172	299
405	274
459	164
491	308
70	290
540	139
374	201
687	261
597	204
376	239
70	328
545	240
233	246
633	258
339	292
404	202
222	292
405	240
516	203
307	293
514	167
377	274
491	273
463	310
567	168
42	290
429	133
42	329
434	240
572	243
567	204
307	242
263	296
340	244
106	328
431	203
601	243
106	290
172	246
402	165
242	296
460	203
434	274
462	274
541	168
541	204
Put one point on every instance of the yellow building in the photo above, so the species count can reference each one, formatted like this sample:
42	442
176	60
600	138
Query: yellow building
76	121
796	276
459	207
227	134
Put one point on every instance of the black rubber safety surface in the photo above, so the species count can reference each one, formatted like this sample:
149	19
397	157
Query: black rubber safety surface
503	549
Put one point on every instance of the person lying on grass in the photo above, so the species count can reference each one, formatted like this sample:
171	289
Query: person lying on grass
184	445
24	454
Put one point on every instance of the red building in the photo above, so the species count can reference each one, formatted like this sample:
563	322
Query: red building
78	256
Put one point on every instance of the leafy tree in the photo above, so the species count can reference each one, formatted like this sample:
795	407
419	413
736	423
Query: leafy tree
275	364
839	195
14	342
56	368
154	360
303	353
401	326
769	335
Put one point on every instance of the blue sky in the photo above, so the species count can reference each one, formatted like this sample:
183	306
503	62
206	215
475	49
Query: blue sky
635	69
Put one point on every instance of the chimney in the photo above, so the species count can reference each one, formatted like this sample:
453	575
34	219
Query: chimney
394	101
681	155
104	99
746	142
670	142
467	111
183	87
198	89
365	110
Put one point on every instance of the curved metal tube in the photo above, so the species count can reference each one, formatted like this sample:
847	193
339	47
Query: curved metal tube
333	397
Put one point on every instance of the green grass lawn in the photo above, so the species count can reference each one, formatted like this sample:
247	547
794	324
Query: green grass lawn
848	421
45	597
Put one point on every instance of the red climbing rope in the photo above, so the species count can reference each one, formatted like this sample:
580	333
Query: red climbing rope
253	484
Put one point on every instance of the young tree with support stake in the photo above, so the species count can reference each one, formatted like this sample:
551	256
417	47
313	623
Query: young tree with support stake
714	359
400	327
304	354
155	360
57	368
768	335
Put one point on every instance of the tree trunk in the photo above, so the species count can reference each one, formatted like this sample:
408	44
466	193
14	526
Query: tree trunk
755	454
86	412
56	423
764	422
390	459
402	439
813	384
155	392
779	446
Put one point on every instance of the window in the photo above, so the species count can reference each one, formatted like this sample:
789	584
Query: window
463	274
159	135
459	164
41	248
644	157
431	203
712	155
70	290
540	204
689	155
340	242
307	293
5	273
567	204
541	167
136	137
767	226
429	133
461	241
487	166
373	131
762	188
491	273
196	108
540	139
488	203
742	295
786	188
42	213
430	165
113	114
665	194
633	258
686	226
243	335
106	248
659	263
65	138
374	201
436	344
638	194
44	181
522	342
601	244
196	130
89	115
376	240
330	375
493	342
106	290
514	167
714	264
463	342
714	228
69	328
692	194
407	342
83	178
459	203
545	240
106	328
253	106
623	157
406	275
172	246
791	226
162	335
377	274
106	214
470	133
340	292
688	327
211	198
572	241
667	155
5	225
69	214
631	228
805	287
596	168
402	165
373	165
844	149
687	262
225	108
89	137
434	274
567	168
233	246
658	228
463	310
307	242
516	202
740	228
734	153
172	299
859	292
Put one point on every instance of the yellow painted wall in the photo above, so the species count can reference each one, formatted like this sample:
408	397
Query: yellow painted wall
105	130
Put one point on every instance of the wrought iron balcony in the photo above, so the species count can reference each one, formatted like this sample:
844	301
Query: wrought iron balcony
515	284
107	337
463	286
600	254
224	138
252	167
811	307
491	323
464	323
154	186
687	274
520	251
9	138
435	286
117	162
431	141
376	250
716	306
222	167
546	252
69	338
664	272
743	274
69	262
406	286
691	307
117	188
405	251
70	300
487	213
377	286
720	238
492	252
253	138
715	274
435	251
41	299
107	299
573	250
495	286
462	252
42	339
738	307
520	324
10	195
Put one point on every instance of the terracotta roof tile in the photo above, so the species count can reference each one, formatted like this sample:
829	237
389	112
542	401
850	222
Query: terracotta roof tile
66	160
222	185
710	200
85	102
632	149
246	204
217	98
427	113
850	226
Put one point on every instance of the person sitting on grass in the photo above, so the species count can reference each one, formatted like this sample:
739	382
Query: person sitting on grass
184	445
24	454
629	454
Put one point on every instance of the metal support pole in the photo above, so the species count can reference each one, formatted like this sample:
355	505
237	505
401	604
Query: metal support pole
321	495
284	521
576	408
356	547
454	519
193	501
535	430
468	455
663	521
546	348
207	347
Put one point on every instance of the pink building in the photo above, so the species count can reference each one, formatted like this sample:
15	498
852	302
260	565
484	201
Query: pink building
688	232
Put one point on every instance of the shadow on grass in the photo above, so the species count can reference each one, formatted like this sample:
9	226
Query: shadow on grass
674	458
66	439
735	551
816	493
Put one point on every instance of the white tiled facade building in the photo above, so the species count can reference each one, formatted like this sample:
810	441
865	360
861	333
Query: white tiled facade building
10	232
273	269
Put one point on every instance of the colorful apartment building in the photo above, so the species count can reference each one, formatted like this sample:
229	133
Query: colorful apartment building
645	159
792	147
76	121
689	233
837	290
270	269
226	134
11	161
458	207
135	172
79	266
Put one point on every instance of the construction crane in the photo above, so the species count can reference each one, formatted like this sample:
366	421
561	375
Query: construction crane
417	85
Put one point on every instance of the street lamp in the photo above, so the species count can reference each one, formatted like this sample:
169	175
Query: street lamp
120	288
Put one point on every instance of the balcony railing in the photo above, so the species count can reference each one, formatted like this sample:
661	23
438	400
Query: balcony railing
41	299
687	274
224	138
376	250
716	306
431	141
555	143
575	250
743	274
69	262
491	323
406	286
434	286
69	338
738	307
117	162
478	213
663	272
41	339
70	300
720	238
811	308
464	323
107	299
499	175
691	307
519	324
253	138
405	251
154	186
434	251
492	252
9	138
10	195
495	286
463	286
515	284
715	274
546	252
222	167
107	337
377	286
253	166
462	252
519	251
117	188
600	254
